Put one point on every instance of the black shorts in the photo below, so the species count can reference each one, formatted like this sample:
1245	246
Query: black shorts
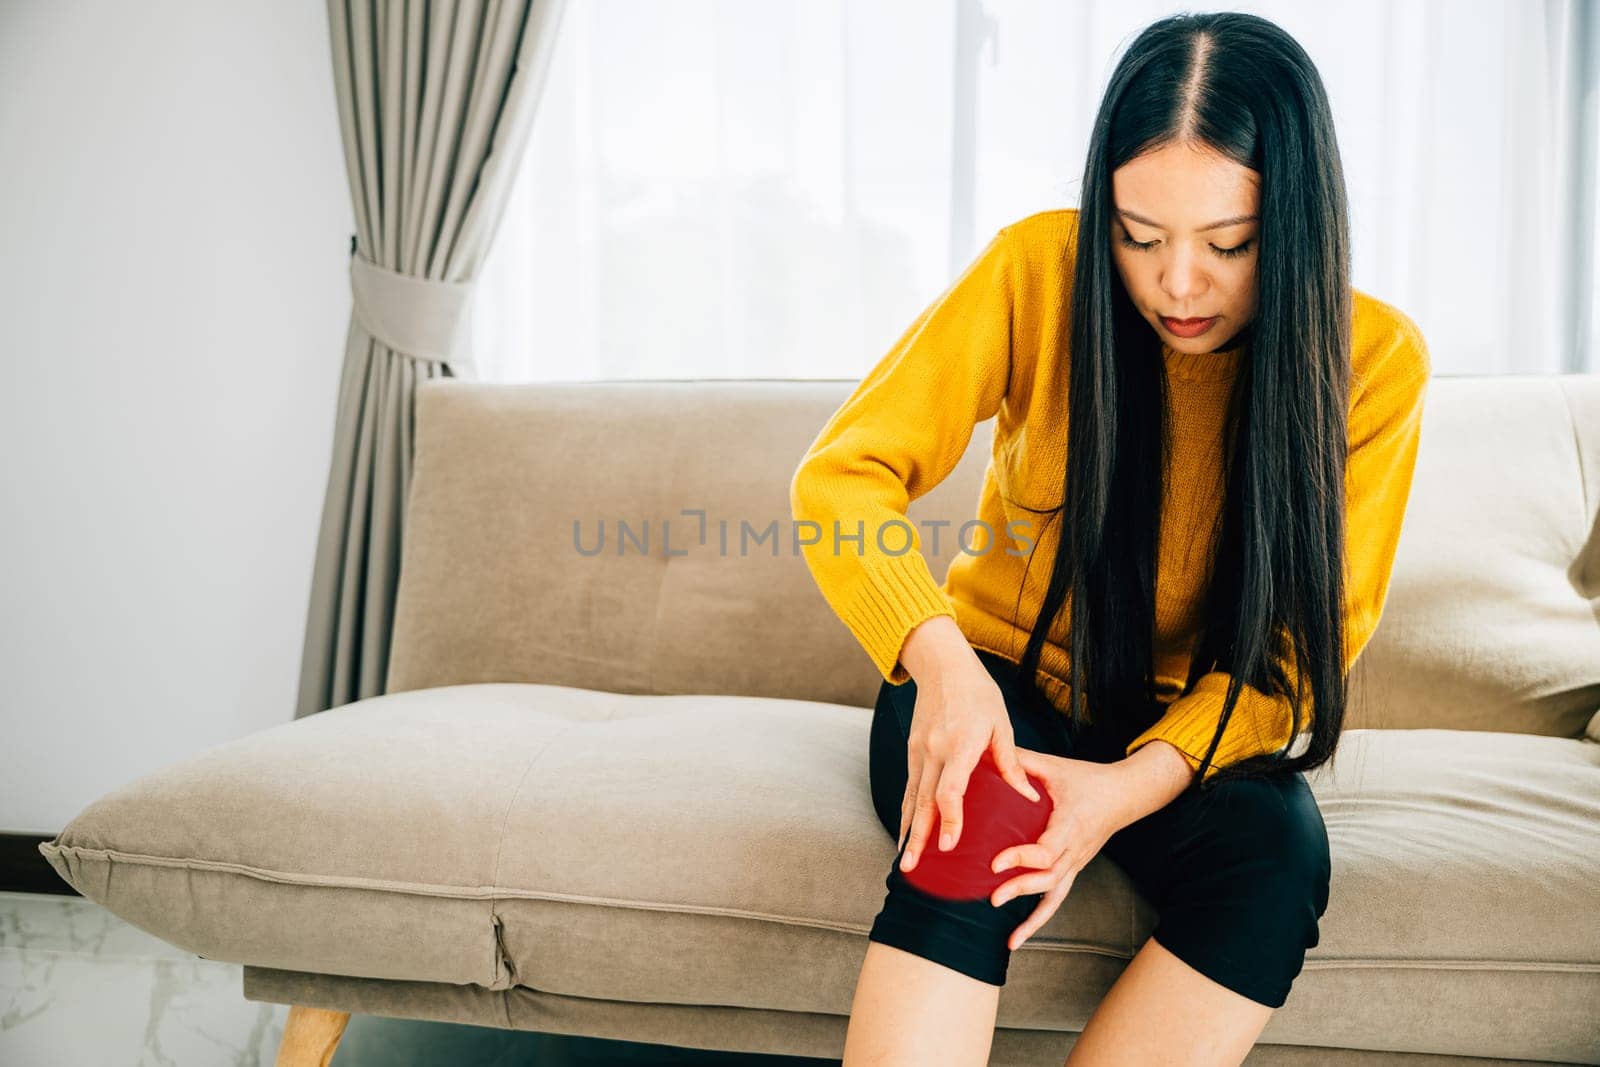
1239	875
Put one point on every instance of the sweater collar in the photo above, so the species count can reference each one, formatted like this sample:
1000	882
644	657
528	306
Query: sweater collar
1217	366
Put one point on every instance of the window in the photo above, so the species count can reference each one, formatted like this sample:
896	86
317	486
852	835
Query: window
775	188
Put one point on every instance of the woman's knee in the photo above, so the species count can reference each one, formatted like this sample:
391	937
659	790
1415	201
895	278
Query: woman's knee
968	936
1287	829
1270	826
1249	887
941	910
994	817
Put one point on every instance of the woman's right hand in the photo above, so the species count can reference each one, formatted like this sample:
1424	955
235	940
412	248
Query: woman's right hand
958	717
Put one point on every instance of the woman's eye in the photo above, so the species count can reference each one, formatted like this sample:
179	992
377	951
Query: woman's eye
1225	253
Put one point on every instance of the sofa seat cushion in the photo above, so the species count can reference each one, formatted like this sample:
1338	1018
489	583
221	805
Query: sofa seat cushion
678	849
399	836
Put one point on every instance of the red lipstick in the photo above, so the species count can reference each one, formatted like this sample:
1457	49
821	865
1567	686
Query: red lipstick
1188	327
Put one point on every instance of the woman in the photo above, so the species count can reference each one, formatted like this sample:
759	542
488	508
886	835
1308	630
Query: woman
1217	503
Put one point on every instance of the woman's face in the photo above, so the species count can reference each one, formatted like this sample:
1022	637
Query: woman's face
1169	201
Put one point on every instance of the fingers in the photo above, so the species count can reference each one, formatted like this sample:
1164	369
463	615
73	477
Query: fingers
1031	855
1009	763
921	815
949	748
1034	881
950	794
1041	914
909	799
1053	851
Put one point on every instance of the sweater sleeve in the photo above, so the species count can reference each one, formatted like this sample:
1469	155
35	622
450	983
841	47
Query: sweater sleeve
1384	429
899	434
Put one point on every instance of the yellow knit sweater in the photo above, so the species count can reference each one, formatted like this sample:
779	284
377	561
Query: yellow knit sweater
988	347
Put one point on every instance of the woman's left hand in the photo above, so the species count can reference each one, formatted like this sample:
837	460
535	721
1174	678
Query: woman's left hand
1088	809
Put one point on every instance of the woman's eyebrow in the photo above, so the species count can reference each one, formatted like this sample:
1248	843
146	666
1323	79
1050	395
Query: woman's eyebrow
1214	226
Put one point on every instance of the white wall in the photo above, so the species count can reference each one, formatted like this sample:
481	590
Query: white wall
175	222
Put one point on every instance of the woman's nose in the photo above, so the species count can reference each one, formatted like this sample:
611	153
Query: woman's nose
1184	279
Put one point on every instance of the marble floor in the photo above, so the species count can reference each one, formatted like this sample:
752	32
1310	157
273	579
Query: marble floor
81	988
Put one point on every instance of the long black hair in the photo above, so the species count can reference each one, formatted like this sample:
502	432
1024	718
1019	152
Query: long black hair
1238	85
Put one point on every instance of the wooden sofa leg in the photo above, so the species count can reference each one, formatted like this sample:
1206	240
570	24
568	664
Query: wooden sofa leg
310	1036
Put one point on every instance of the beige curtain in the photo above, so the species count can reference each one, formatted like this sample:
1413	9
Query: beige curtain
436	101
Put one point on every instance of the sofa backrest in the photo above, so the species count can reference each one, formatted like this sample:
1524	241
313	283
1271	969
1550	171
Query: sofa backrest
1492	620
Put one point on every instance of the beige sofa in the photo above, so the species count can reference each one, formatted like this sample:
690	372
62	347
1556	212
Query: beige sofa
626	795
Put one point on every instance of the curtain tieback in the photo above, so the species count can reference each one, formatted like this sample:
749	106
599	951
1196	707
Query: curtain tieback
414	316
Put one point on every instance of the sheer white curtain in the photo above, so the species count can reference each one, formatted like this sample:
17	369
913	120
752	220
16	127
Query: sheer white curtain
775	188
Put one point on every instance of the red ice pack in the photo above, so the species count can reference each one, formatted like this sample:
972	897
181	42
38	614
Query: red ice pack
996	816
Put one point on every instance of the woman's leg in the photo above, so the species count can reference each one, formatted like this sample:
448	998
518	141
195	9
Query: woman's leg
911	1010
930	984
1161	1010
1239	878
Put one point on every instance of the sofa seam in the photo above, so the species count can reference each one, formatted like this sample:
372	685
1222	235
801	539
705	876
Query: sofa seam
1050	945
1511	966
266	874
501	955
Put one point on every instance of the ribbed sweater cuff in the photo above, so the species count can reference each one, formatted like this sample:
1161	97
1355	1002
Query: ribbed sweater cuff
1191	720
892	597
